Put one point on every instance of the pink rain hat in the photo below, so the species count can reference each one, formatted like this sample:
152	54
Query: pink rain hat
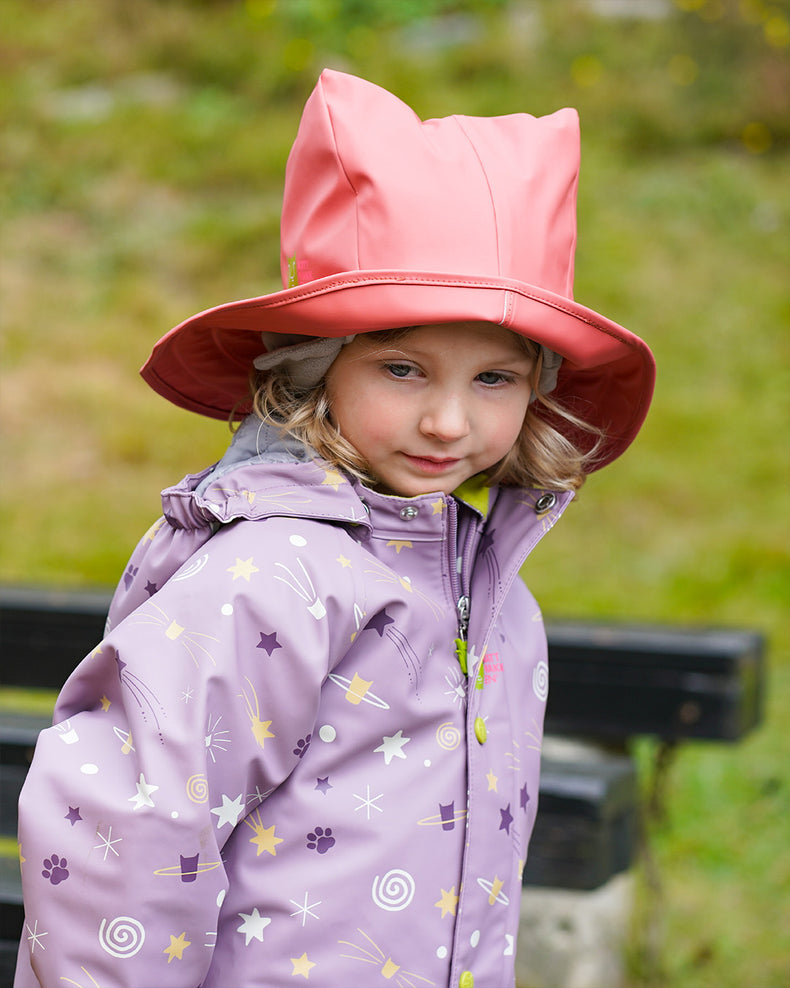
392	221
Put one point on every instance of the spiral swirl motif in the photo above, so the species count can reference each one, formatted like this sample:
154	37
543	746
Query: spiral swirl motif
197	788
540	681
394	891
448	736
122	937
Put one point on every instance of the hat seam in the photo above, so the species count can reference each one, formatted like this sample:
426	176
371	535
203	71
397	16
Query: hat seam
272	302
343	168
476	153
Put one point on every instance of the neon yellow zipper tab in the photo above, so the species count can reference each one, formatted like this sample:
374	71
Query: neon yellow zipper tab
460	651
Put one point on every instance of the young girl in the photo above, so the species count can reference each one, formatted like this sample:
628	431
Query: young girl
308	746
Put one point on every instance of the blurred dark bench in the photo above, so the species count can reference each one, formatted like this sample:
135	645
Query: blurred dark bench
609	682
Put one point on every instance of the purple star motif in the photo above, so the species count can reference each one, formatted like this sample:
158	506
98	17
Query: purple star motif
379	622
322	785
269	642
73	815
524	797
506	819
151	588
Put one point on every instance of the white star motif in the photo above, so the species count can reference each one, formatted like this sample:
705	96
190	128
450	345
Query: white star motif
143	797
107	842
306	909
230	811
253	926
35	937
392	747
368	802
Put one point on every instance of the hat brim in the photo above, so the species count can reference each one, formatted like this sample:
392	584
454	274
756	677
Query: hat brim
606	378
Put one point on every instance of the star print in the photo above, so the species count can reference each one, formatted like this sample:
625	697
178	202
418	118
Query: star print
524	797
107	843
253	926
230	811
322	785
306	909
269	642
438	507
243	569
333	479
177	947
392	747
73	816
368	802
260	796
492	781
151	588
448	902
265	840
506	819
345	563
379	622
105	704
143	797
35	936
399	544
302	965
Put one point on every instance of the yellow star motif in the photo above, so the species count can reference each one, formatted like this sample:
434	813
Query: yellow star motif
438	507
149	535
496	888
265	840
333	478
399	544
177	947
105	703
243	568
448	902
345	563
302	965
492	781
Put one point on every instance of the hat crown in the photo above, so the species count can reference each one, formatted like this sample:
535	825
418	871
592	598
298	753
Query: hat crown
369	186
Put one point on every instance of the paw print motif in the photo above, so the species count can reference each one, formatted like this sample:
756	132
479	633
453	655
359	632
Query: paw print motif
129	575
321	840
302	745
55	869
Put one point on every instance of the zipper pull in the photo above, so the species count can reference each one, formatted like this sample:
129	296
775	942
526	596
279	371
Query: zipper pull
463	623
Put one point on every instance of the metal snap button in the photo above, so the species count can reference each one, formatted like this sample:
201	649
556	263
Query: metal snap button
409	512
545	503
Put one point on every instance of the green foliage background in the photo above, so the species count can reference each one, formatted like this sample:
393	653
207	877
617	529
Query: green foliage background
143	147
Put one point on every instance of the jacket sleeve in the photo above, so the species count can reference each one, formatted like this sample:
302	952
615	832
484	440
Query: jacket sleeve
178	724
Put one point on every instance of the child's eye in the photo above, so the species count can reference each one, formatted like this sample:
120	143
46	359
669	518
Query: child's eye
399	370
493	377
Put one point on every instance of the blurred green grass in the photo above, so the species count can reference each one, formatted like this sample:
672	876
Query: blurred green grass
141	173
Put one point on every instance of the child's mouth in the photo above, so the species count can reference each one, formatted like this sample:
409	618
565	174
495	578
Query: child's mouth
432	464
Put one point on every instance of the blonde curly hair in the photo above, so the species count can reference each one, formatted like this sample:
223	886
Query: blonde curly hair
542	457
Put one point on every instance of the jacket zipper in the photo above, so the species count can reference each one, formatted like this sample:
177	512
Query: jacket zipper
460	589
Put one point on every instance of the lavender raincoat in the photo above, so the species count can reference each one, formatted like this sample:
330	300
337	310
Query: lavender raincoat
274	767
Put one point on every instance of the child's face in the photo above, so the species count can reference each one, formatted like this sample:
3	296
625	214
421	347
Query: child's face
433	407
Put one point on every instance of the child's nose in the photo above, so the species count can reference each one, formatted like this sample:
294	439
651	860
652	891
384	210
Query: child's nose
446	419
